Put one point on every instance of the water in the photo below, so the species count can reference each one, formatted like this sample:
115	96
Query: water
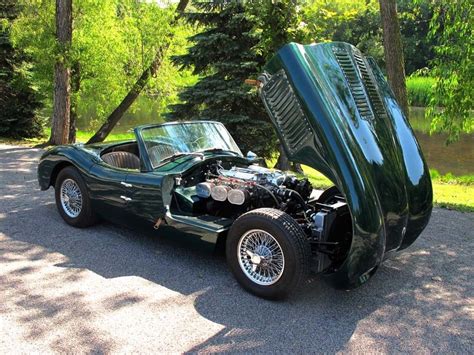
457	158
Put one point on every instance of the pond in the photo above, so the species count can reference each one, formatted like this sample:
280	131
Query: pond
457	158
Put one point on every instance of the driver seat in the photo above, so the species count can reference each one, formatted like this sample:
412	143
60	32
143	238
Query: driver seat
121	159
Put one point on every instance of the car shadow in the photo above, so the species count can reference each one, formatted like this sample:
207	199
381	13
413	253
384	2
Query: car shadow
420	294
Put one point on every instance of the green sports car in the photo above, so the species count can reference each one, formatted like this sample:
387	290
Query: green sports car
333	111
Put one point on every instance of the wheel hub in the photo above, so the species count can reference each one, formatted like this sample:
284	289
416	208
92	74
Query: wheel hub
261	257
71	198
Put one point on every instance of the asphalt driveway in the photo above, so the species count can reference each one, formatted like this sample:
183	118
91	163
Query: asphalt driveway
116	289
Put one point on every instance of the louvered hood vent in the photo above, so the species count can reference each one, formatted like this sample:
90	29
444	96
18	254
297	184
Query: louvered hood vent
279	99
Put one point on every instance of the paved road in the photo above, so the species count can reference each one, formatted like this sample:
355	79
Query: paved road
111	289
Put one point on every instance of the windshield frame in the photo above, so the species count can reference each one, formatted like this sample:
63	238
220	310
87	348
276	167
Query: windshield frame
146	161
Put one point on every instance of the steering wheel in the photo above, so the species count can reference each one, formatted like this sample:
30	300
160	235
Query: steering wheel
195	142
160	151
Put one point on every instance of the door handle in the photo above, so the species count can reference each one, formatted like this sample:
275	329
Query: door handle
125	198
125	184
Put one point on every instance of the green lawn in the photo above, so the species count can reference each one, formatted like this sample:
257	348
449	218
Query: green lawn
81	137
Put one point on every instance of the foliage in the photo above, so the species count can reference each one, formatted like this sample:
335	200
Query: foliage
276	23
358	22
327	20
112	42
223	55
414	19
420	90
353	21
453	68
18	100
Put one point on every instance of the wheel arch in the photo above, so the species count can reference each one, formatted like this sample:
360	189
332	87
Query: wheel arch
57	168
56	159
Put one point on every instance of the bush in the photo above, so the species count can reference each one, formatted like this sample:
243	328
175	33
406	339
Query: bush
420	90
18	101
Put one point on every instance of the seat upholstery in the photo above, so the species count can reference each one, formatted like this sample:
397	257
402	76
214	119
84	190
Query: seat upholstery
125	160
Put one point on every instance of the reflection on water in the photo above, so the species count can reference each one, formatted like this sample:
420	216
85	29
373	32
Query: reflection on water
457	158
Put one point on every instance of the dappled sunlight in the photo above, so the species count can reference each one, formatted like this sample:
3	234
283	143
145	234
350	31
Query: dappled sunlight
108	287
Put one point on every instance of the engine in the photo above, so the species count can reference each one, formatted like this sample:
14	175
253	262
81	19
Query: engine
230	191
254	186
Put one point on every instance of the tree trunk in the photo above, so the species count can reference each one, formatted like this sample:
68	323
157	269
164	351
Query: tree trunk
75	86
135	91
282	163
393	50
62	76
296	167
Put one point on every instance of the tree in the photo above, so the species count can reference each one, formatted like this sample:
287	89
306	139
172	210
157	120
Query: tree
114	42
62	75
223	55
276	24
392	43
139	85
414	18
453	97
18	101
358	22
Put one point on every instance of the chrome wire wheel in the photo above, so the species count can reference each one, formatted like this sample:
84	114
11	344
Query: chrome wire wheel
71	198
261	257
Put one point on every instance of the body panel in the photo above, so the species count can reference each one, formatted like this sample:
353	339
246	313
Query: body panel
72	154
106	189
118	194
352	130
145	193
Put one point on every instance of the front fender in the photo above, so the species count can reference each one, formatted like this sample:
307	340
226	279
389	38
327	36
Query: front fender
334	111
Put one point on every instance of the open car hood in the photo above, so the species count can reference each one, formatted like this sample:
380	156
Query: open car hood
334	111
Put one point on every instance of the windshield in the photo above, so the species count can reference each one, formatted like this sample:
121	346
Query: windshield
169	140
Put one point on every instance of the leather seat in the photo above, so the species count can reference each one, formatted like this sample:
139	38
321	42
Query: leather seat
123	160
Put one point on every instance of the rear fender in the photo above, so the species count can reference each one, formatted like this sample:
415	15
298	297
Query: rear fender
58	157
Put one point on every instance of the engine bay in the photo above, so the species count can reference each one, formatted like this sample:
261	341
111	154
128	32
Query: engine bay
223	188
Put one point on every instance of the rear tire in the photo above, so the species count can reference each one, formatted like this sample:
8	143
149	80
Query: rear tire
268	253
72	198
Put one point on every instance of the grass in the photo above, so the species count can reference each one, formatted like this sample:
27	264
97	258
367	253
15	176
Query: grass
453	196
29	142
452	192
81	137
419	89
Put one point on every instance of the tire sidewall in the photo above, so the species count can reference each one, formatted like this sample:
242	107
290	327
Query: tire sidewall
290	276
85	217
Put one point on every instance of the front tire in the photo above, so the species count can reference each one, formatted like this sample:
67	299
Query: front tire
72	198
268	253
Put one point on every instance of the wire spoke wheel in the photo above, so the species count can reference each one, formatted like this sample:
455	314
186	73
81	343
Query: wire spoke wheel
261	257
71	198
